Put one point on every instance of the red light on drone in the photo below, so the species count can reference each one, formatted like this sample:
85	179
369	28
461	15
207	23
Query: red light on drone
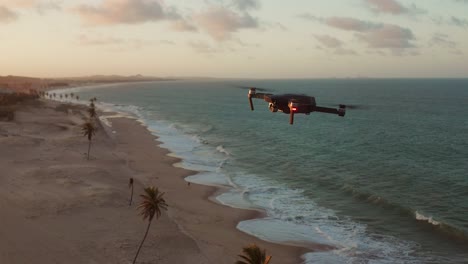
294	109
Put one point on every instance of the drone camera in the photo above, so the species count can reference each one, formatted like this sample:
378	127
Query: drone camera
273	107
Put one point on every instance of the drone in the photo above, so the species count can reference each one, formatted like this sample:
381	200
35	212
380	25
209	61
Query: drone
293	104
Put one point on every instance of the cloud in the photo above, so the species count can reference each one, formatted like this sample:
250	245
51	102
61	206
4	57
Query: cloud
344	23
202	47
85	40
392	7
347	23
43	7
112	12
40	5
453	21
376	35
7	15
342	51
167	42
388	36
220	22
440	39
19	3
386	6
335	44
182	26
443	41
329	41
280	26
245	5
459	22
118	44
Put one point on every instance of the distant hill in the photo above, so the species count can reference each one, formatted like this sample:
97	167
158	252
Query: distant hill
113	78
24	84
20	83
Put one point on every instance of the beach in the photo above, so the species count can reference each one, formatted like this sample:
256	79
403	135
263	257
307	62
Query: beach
58	207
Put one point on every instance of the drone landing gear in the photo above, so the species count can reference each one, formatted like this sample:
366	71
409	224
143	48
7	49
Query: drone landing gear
292	108
291	117
252	92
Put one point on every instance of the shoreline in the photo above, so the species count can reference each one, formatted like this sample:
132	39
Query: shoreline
215	190
208	194
59	207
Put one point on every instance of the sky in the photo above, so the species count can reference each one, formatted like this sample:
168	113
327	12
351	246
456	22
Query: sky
235	38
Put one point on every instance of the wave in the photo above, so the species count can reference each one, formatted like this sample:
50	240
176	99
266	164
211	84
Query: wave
438	226
421	217
221	149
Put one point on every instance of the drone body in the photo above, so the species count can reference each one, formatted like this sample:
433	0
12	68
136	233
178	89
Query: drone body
293	104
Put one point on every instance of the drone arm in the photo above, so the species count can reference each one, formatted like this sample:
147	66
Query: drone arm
341	111
263	96
260	95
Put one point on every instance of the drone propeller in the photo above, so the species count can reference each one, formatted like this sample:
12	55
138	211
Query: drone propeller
249	87
352	106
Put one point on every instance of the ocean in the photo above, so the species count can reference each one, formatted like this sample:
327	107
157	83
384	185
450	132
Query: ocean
388	183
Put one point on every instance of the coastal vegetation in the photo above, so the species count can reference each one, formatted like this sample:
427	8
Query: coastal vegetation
8	102
252	254
89	130
92	111
152	204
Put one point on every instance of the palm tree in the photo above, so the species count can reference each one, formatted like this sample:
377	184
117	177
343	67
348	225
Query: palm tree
151	205
130	185
92	112
88	130
253	255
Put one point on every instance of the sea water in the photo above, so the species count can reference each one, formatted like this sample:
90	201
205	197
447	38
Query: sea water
388	183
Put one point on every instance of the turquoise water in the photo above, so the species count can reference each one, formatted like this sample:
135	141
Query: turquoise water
388	183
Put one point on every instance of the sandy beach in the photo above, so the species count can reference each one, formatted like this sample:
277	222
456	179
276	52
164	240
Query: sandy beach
58	207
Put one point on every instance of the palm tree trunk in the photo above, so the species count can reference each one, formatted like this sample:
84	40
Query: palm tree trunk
131	197
146	233
89	148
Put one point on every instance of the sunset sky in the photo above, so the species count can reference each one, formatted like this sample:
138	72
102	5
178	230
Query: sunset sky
235	38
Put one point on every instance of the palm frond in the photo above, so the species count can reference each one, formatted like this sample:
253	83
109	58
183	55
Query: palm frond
152	204
252	254
88	129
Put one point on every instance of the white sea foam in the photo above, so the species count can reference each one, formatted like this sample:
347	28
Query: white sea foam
292	217
208	178
221	149
420	217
